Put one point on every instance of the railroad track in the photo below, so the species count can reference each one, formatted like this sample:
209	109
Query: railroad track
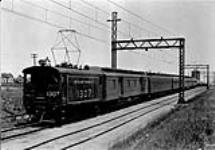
13	116
76	137
21	126
20	130
131	115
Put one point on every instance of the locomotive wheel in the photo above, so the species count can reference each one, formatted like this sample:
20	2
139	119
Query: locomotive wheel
63	115
60	116
35	118
58	119
97	109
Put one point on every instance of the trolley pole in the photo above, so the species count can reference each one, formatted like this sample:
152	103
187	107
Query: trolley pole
114	21
34	58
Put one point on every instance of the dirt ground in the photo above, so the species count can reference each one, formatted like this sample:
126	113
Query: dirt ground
188	127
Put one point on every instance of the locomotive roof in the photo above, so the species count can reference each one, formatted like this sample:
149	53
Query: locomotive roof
59	70
137	72
94	71
77	71
39	68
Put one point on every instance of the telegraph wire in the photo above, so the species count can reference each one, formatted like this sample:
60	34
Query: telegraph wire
161	60
77	12
107	13
60	14
91	5
51	24
138	16
143	29
129	23
83	15
62	27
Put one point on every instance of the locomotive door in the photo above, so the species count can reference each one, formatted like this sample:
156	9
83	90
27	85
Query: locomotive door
64	86
121	89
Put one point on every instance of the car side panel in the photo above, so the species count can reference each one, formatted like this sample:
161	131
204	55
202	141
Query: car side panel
160	84
83	88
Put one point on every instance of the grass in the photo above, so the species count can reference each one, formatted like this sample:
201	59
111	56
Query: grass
11	99
185	128
11	104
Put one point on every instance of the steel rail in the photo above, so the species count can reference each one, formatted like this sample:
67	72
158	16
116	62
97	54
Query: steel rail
164	103
99	124
19	127
23	133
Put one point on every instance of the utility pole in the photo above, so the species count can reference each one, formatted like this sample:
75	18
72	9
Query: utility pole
181	71
114	21
208	77
34	58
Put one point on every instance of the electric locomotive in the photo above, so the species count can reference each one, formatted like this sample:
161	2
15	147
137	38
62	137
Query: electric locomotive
56	93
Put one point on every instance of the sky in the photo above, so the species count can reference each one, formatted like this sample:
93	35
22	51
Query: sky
21	35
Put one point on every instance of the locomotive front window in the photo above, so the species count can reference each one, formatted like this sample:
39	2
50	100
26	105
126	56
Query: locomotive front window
28	78
41	81
34	82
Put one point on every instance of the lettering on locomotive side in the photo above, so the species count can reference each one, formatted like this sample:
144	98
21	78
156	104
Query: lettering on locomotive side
84	93
52	93
83	82
82	88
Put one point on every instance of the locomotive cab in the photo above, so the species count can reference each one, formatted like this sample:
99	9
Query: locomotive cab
41	89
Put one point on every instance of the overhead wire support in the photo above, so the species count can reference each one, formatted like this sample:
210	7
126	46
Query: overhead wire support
129	24
147	44
201	66
114	21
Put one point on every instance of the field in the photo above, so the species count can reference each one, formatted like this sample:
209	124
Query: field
11	104
189	128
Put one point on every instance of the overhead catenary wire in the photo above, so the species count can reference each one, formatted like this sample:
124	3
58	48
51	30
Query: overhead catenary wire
51	24
140	17
60	14
95	20
77	12
83	15
161	60
55	25
129	23
91	5
123	20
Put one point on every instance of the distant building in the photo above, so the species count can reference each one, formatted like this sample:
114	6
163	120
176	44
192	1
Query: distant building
18	80
7	78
